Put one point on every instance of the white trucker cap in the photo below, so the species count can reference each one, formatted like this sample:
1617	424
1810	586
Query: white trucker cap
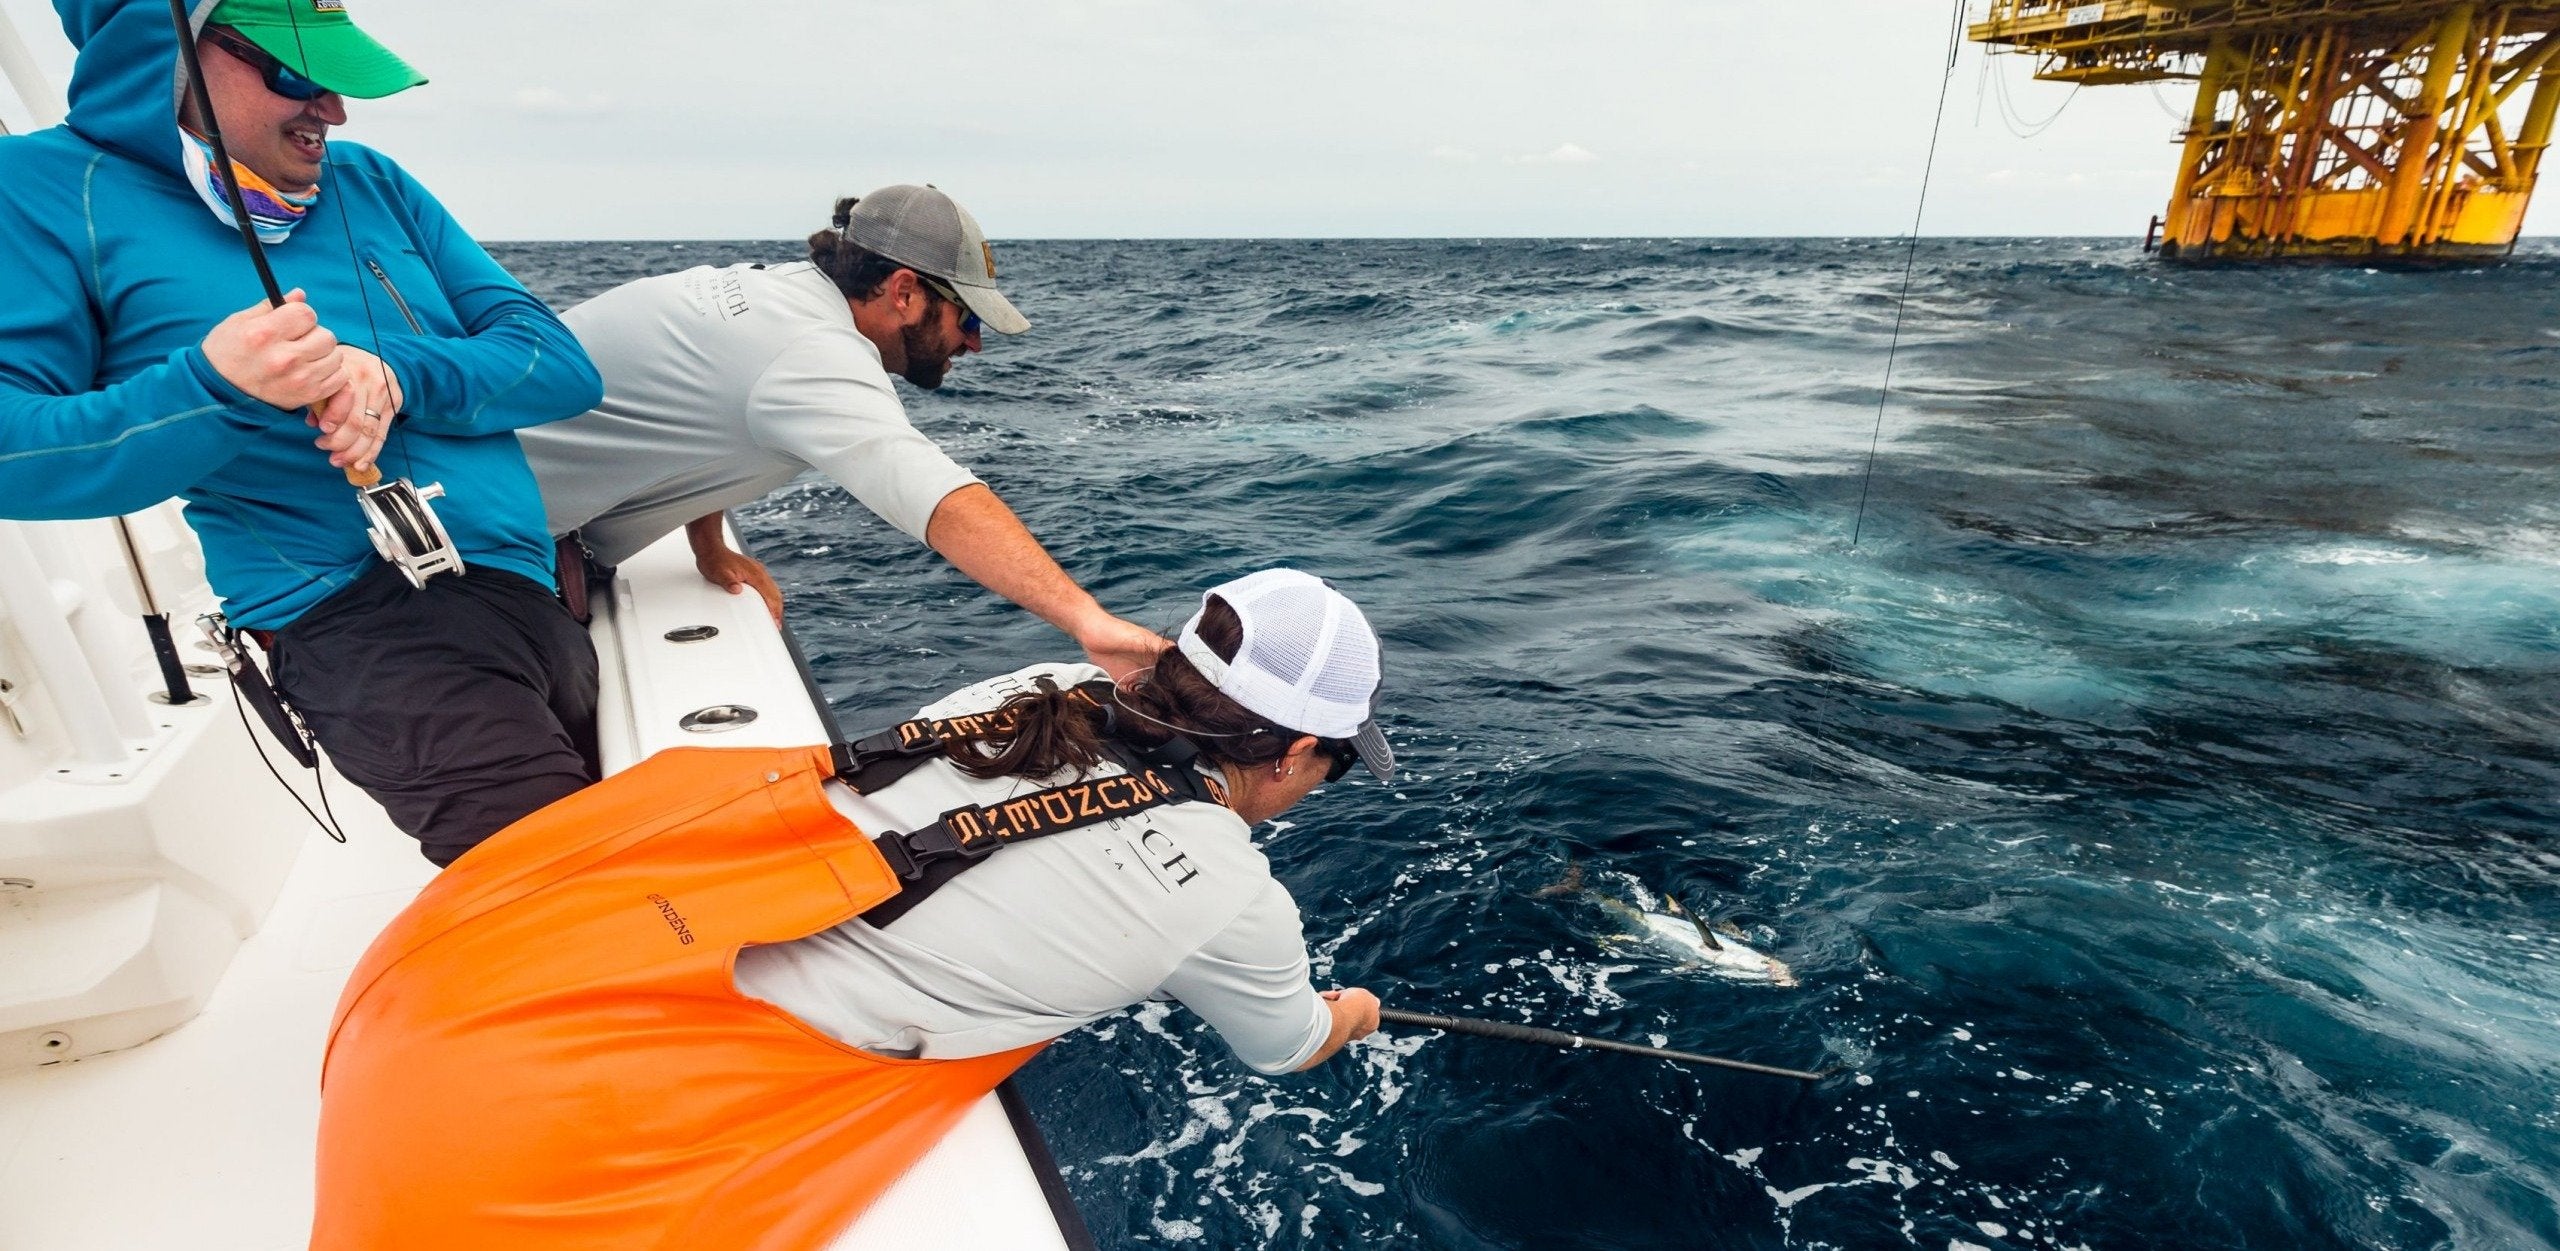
928	232
1309	661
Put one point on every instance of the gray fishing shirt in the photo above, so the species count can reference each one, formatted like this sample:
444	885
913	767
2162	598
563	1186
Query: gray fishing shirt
721	385
1048	935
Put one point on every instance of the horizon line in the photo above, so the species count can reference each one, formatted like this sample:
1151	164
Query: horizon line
1456	238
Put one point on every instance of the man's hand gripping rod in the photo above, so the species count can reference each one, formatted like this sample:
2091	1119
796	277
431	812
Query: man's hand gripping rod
403	525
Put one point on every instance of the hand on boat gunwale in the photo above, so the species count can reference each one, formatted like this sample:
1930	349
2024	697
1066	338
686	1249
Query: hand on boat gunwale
354	422
279	355
735	571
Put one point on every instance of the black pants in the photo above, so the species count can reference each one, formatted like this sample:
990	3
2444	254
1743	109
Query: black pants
460	706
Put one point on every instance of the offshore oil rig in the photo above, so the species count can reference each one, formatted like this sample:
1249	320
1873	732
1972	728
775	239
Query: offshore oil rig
2351	130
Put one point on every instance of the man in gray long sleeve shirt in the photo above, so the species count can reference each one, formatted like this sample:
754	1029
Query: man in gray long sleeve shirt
724	384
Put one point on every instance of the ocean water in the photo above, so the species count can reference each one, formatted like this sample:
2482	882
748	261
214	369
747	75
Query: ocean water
2156	799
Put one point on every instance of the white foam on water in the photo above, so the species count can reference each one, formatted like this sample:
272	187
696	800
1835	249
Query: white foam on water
1885	1172
1588	984
1383	1057
1343	1177
2352	554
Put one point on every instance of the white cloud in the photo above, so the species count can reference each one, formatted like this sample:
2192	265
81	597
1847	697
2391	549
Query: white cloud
560	103
1564	154
612	130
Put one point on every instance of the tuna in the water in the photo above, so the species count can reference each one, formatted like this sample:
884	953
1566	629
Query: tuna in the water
1677	934
1682	936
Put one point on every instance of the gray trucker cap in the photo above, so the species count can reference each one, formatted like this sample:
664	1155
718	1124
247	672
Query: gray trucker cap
927	231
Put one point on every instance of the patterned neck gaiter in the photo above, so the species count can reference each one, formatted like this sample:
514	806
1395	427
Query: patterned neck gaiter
272	212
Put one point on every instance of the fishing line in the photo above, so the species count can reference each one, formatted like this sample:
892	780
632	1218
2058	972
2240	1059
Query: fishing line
1910	258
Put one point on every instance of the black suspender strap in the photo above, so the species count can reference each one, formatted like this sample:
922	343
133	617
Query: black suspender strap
926	857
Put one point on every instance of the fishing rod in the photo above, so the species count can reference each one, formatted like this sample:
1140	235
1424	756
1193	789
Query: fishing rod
403	526
1509	1032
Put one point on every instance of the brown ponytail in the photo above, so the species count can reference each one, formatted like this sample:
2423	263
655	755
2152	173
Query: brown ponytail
1049	730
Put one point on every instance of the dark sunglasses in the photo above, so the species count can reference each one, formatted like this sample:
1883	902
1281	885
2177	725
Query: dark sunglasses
969	322
1344	756
280	78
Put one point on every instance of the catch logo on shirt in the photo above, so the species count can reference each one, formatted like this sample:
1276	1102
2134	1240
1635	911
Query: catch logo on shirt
719	292
1165	860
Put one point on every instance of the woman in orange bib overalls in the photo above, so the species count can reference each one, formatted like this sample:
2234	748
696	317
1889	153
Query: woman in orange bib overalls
550	1047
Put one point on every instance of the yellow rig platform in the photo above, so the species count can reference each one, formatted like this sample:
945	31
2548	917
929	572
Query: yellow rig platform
2325	129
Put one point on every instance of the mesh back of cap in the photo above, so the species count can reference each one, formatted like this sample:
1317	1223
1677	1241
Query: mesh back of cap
1309	660
1288	627
1351	677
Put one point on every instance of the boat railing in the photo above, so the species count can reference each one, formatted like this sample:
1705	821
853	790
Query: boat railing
35	92
140	839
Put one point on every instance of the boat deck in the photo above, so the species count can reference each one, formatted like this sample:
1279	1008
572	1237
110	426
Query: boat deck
202	1138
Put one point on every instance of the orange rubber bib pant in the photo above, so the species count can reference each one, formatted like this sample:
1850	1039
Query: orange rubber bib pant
546	1049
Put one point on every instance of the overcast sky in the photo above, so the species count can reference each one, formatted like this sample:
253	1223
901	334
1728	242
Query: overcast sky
583	119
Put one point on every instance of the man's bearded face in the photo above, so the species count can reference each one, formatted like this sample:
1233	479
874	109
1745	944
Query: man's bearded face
932	343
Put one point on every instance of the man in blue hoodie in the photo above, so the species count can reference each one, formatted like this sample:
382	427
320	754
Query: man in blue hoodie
139	364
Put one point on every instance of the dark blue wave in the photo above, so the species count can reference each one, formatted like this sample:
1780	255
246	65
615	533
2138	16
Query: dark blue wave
2157	801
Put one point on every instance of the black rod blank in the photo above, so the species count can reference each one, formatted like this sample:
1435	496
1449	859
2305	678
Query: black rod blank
229	178
1557	1038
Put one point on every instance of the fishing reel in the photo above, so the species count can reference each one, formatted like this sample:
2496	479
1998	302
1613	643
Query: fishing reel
405	529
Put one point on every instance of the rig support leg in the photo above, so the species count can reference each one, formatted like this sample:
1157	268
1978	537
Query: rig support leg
2190	221
2535	137
2413	172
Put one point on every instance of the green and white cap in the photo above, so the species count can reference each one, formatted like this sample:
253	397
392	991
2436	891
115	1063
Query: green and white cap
928	232
317	39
